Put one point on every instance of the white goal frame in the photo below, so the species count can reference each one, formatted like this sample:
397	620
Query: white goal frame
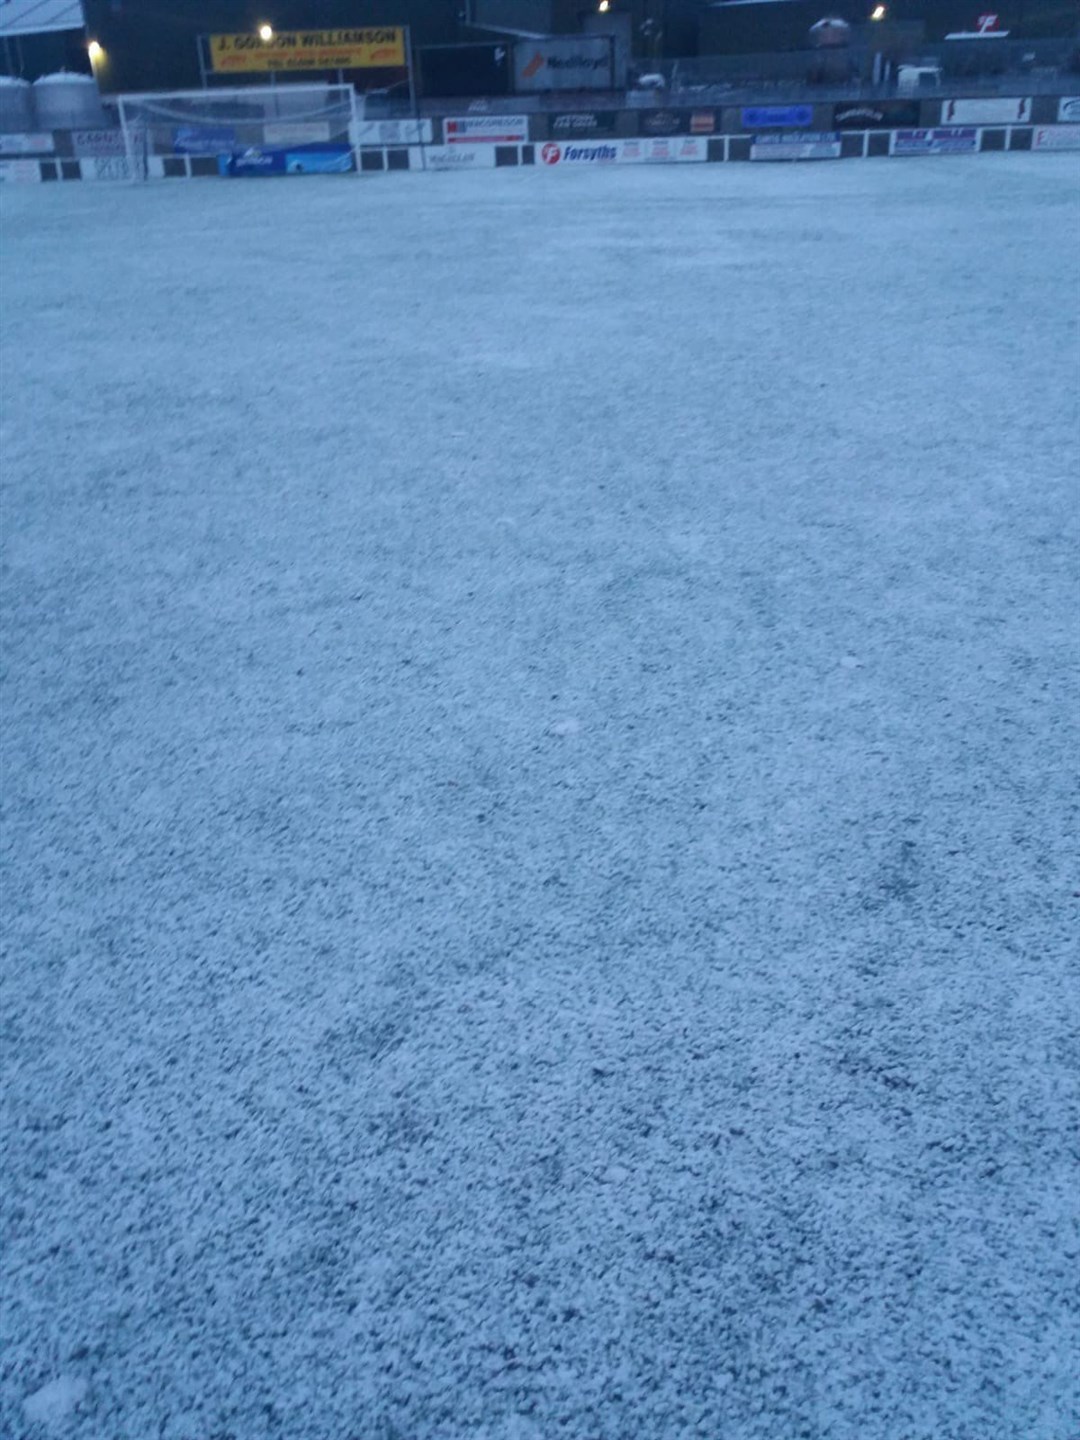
283	104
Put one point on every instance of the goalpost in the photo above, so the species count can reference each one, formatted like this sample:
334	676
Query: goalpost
248	129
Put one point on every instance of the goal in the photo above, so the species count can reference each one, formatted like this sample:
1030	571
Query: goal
248	130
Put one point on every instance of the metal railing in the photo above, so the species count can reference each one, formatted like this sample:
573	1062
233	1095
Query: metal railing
684	91
1019	68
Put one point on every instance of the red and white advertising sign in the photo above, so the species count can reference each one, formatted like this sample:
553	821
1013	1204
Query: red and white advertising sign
665	150
486	130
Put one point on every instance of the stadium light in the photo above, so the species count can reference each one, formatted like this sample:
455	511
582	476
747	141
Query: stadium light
604	6
878	12
266	33
96	52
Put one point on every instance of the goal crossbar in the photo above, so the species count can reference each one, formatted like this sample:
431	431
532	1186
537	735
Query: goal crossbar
153	97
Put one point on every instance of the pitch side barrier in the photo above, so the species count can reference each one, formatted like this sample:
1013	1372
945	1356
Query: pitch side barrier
576	139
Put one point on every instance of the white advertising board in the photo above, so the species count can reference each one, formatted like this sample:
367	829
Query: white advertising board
392	132
671	149
16	170
1056	137
991	111
796	146
454	157
26	144
95	144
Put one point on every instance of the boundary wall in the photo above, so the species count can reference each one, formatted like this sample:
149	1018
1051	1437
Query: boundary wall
577	139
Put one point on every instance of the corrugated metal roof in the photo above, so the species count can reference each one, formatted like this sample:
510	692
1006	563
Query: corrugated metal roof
30	17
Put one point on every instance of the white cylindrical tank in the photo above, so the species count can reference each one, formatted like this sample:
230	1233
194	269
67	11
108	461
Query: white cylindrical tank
16	105
66	101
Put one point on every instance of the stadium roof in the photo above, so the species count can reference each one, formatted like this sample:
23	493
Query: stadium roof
31	17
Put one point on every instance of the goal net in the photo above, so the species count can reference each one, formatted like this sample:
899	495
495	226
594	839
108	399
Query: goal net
289	129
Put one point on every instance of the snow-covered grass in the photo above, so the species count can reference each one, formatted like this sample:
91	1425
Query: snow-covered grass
539	721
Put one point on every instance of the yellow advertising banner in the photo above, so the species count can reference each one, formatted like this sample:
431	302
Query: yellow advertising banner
308	50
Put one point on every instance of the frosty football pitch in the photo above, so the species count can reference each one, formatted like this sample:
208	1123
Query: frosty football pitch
539	719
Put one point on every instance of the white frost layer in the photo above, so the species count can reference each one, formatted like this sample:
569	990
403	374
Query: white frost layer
539	714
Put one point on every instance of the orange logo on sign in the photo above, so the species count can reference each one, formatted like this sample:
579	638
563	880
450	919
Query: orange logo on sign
534	65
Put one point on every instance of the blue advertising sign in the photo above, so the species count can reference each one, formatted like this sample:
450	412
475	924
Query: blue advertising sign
948	141
766	117
252	161
335	160
204	139
316	160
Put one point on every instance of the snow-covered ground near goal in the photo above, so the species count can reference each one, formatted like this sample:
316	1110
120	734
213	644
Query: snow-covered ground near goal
539	724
